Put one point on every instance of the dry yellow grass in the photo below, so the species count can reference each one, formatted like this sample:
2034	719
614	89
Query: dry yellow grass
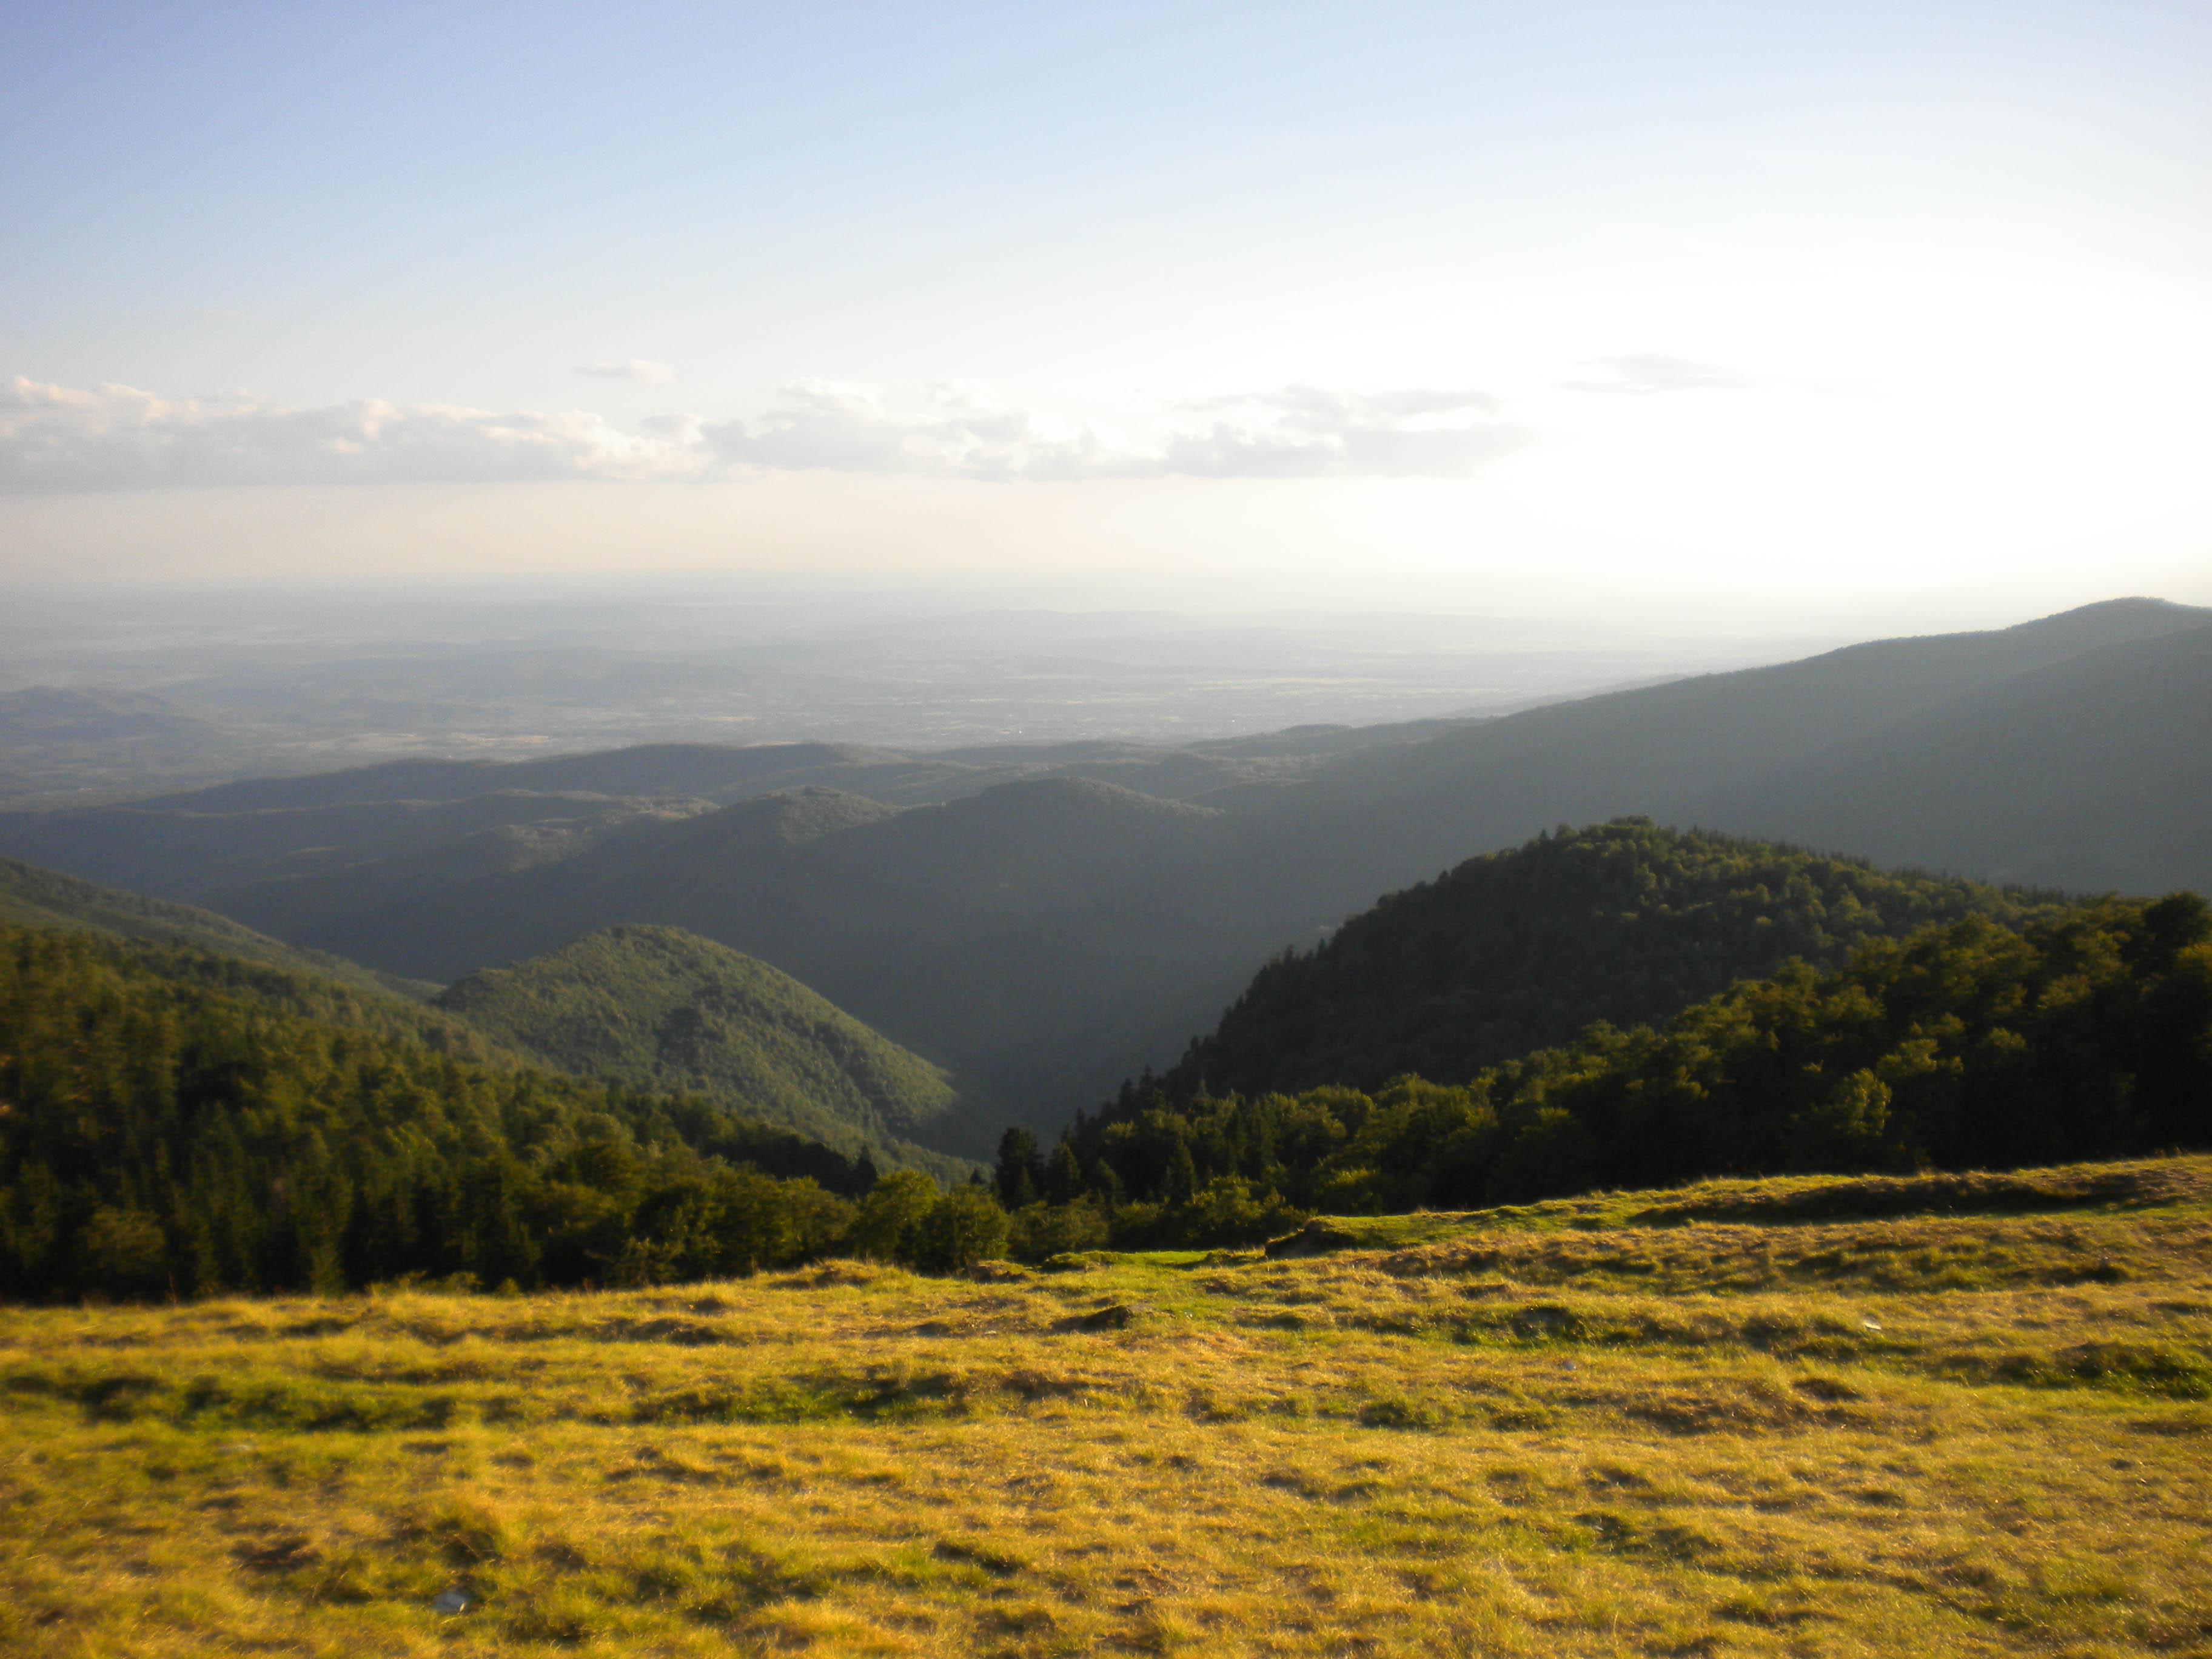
1684	1424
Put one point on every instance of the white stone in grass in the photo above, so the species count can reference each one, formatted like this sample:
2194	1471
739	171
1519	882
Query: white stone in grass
453	1600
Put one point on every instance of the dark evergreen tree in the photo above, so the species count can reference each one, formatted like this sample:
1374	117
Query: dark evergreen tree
1063	1175
1020	1174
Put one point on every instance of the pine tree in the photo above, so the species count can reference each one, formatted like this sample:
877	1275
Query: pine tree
1020	1172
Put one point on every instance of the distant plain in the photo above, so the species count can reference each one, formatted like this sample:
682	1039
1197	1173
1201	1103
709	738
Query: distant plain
168	690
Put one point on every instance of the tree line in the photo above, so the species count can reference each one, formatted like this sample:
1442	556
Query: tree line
160	1135
1511	952
2086	1034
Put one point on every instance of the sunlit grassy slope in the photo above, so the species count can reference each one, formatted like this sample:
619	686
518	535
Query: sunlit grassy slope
1959	1415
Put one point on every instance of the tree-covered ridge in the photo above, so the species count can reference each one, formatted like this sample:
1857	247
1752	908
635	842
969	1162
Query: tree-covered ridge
1626	922
321	997
31	896
158	1136
661	1009
2085	1035
198	947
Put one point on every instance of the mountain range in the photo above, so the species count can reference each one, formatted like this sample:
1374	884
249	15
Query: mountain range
1041	922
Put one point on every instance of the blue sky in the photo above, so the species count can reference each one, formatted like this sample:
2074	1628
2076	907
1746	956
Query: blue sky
1585	299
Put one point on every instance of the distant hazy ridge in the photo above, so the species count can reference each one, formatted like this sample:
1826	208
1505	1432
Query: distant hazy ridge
1044	921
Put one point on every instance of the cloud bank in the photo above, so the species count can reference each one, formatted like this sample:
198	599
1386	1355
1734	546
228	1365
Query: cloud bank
115	437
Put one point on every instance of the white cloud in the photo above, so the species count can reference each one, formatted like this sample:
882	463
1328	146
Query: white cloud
833	426
116	437
627	368
1300	431
1306	431
1645	373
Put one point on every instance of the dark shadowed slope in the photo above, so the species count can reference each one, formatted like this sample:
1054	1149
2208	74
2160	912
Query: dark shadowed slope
209	857
1015	936
2096	772
1625	922
33	897
1727	751
667	1010
736	861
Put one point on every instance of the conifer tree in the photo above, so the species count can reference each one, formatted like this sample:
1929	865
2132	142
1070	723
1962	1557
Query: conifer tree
1020	1173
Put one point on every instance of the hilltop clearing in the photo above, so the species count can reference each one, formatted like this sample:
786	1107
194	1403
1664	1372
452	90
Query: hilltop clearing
1731	1419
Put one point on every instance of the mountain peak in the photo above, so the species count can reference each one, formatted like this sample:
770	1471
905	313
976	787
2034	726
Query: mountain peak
2110	620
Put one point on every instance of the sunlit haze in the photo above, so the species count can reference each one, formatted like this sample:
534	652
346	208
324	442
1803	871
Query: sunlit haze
1798	319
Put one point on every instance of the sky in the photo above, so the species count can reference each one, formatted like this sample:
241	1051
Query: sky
1629	310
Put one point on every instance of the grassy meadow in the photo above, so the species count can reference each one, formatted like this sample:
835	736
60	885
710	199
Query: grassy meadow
1939	1415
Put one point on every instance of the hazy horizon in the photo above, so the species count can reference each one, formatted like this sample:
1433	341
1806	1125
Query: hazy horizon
172	686
1692	318
222	679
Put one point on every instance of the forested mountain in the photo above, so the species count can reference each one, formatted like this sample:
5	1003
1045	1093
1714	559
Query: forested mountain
2098	767
1044	933
649	1007
660	1008
35	897
1731	751
1966	1045
996	935
161	1137
276	867
1625	922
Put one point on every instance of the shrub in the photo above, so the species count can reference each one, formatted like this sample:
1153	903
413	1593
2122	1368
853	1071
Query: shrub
890	1216
964	1227
1039	1231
